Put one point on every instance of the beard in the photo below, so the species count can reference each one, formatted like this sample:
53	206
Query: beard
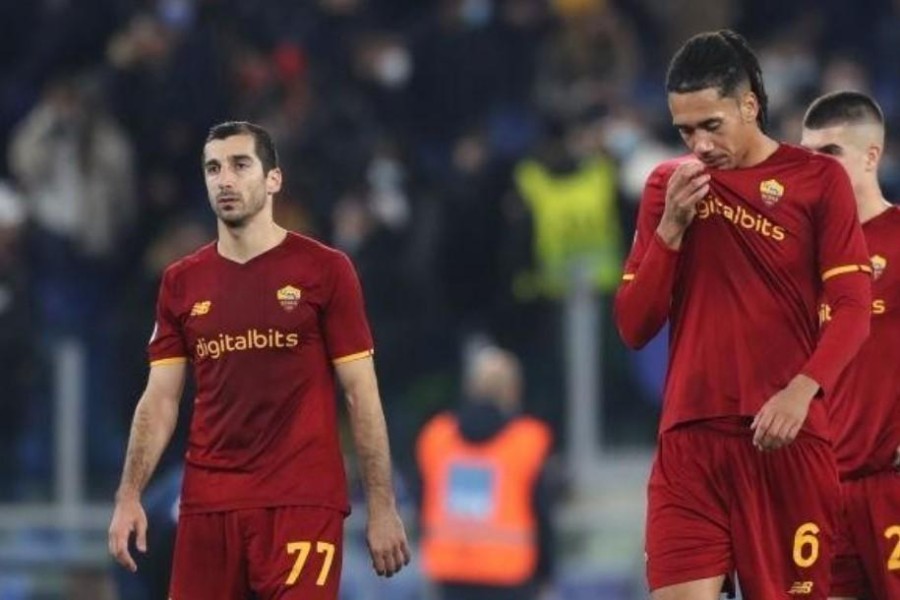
239	210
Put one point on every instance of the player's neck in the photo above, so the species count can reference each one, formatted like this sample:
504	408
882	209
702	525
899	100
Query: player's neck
870	203
759	149
241	244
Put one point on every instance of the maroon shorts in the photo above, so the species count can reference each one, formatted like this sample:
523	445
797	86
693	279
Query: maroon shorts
867	564
717	505
286	553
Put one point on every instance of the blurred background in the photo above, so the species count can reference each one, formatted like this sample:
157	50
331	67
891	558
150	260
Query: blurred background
480	160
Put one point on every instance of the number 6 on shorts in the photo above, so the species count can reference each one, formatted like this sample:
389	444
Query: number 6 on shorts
806	545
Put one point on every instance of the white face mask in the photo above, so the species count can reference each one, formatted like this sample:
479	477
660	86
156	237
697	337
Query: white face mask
394	67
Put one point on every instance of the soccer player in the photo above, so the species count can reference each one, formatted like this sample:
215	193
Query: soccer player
267	319
865	404
735	245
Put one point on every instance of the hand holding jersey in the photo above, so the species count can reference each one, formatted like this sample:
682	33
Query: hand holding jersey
688	185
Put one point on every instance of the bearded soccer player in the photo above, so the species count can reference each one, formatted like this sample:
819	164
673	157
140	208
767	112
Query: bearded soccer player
865	405
736	244
267	319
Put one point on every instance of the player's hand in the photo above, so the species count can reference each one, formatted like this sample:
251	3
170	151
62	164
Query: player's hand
779	420
128	517
387	542
688	185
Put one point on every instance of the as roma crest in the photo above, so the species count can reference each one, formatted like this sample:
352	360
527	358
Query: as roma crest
879	263
289	297
771	191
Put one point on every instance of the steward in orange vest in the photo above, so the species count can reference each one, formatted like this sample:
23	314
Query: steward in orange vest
485	514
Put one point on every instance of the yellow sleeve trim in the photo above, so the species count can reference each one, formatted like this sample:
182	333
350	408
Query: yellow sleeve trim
356	356
627	276
168	361
845	269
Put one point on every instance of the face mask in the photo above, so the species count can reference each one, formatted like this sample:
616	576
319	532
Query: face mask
622	139
393	67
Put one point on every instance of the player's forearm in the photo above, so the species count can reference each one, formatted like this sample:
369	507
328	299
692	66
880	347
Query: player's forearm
151	429
371	441
850	299
643	300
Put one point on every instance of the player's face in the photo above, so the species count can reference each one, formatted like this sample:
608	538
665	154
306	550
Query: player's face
237	187
715	128
840	142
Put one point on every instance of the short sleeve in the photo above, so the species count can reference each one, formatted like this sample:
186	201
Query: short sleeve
167	343
841	244
347	334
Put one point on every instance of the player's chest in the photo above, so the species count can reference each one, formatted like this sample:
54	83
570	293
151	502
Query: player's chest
760	217
251	302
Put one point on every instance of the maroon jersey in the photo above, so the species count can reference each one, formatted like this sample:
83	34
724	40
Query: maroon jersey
262	337
745	284
865	406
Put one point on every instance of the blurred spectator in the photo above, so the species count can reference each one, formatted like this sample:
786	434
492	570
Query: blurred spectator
486	529
573	206
589	63
75	166
76	170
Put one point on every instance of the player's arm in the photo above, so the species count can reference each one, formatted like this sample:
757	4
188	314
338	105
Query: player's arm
154	421
385	535
846	277
667	209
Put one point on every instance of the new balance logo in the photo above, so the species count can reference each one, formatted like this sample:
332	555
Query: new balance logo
801	588
200	308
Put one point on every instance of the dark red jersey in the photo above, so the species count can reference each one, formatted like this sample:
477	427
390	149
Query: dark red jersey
865	406
742	293
262	338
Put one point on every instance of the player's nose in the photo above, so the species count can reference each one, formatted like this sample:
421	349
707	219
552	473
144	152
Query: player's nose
703	146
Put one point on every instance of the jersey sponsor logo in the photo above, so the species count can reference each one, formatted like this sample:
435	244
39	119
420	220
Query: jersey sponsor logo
289	297
739	217
201	308
879	264
252	339
879	307
801	588
771	191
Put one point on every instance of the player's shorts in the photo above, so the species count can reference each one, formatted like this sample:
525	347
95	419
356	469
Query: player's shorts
717	505
867	561
284	553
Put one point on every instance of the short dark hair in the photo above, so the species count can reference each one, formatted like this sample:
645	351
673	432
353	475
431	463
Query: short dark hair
718	59
843	108
262	141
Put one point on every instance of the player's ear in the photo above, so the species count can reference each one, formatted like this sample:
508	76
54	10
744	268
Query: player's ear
273	181
749	105
873	157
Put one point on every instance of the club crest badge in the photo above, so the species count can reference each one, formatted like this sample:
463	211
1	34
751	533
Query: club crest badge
879	263
289	297
771	191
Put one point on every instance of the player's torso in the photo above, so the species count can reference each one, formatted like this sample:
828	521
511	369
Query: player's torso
258	353
744	305
865	407
262	314
753	240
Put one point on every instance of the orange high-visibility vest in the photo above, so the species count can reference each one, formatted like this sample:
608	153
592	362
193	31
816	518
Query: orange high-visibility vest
478	521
